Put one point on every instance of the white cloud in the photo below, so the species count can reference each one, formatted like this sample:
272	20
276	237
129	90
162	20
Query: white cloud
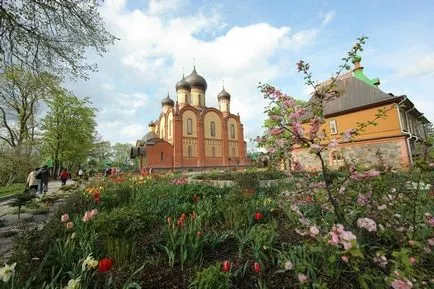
157	43
420	67
328	17
133	130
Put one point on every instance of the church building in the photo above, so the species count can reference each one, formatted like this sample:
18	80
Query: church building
188	134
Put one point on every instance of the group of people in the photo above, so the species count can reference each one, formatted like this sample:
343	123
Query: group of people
37	180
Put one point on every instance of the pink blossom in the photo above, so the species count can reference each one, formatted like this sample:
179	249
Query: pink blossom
401	284
341	190
315	147
298	167
363	199
368	224
345	258
412	260
89	215
346	239
64	218
271	150
313	231
333	144
382	207
334	239
431	242
411	243
302	278
69	225
347	136
380	260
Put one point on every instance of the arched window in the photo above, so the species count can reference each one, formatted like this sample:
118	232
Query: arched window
337	159
189	98
212	128
161	156
213	152
189	152
233	152
200	100
189	126
170	128
232	131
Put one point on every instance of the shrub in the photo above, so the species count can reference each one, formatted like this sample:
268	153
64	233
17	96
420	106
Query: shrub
211	277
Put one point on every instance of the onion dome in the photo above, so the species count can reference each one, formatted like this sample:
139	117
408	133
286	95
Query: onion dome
148	136
167	101
224	95
183	84
195	79
356	58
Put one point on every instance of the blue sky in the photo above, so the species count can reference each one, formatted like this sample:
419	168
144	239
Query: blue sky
245	42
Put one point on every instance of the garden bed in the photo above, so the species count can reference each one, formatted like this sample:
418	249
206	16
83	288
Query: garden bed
140	232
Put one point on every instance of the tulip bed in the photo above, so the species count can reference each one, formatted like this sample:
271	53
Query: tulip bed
162	232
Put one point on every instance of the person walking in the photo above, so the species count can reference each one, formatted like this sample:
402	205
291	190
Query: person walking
64	175
32	182
43	175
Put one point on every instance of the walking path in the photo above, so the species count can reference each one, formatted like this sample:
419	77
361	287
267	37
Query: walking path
11	226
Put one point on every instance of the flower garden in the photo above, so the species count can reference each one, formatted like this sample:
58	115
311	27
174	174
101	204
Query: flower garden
158	232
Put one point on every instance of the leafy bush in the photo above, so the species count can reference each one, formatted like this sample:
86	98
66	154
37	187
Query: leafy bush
211	277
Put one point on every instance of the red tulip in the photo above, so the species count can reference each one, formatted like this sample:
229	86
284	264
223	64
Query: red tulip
226	266
105	264
258	216
257	267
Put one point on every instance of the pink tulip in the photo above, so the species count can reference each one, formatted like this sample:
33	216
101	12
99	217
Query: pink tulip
64	218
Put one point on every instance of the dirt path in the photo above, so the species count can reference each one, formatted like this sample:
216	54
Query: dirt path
36	215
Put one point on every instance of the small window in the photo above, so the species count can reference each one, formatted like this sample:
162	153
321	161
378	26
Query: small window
200	100
337	159
212	128
161	156
189	152
170	128
333	127
213	152
189	99
189	126
232	131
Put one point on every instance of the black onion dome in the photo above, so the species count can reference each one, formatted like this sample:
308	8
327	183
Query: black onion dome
224	95
195	79
167	101
183	84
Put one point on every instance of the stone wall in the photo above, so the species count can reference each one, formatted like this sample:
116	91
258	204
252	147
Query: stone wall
367	155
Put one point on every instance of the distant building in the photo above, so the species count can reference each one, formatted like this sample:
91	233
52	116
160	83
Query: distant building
391	142
188	134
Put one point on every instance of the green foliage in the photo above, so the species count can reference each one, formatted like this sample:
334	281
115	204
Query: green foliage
125	222
24	33
68	128
211	278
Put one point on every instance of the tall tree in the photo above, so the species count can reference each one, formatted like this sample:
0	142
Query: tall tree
99	153
51	35
68	129
20	94
121	154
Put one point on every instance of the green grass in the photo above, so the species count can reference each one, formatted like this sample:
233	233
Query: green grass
12	189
